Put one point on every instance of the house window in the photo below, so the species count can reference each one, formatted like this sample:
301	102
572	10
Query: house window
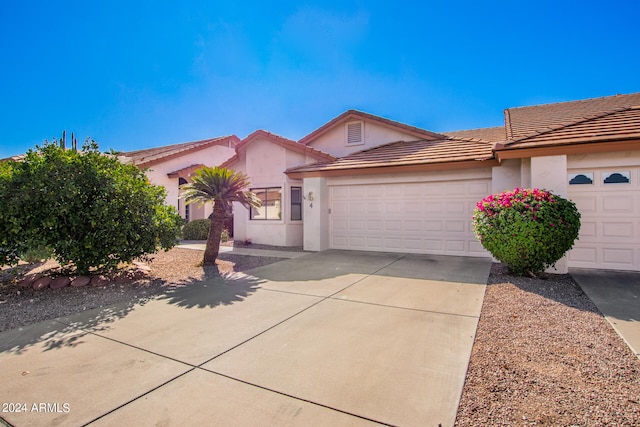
581	178
354	133
296	203
271	199
181	182
617	178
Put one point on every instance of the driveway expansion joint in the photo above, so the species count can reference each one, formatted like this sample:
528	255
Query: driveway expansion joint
293	397
139	397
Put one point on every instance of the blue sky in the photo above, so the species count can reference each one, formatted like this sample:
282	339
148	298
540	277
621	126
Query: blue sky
138	74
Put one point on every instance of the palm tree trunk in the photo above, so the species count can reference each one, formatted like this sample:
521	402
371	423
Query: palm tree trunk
215	231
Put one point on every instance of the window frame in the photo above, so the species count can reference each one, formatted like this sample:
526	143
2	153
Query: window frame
266	207
292	203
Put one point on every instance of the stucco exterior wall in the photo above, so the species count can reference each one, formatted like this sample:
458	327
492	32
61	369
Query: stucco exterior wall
550	173
265	162
316	214
507	176
157	174
334	140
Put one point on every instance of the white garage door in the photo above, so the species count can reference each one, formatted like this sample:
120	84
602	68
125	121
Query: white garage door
609	202
429	217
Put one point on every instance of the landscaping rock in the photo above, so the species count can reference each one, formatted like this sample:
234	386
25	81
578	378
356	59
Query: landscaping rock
100	281
28	280
59	282
41	283
80	281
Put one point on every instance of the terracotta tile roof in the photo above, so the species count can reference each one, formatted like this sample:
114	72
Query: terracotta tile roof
525	121
185	171
617	125
150	156
403	153
494	134
359	115
280	140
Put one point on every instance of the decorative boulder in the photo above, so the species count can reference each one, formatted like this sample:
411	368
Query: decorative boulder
59	282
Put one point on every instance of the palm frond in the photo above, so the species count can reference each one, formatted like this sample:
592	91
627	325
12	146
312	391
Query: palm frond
211	184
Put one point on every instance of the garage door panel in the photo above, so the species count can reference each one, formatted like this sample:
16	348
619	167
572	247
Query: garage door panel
413	225
375	225
455	208
587	230
585	204
357	224
455	226
622	230
455	246
479	188
617	204
429	217
433	207
617	256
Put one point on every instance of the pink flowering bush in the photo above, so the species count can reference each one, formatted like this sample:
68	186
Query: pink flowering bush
528	229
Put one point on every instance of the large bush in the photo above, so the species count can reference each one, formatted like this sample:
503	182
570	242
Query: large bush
528	229
198	229
87	207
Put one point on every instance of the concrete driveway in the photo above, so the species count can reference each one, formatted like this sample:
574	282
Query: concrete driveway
334	338
617	296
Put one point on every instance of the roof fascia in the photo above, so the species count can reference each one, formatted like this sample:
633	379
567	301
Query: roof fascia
466	164
586	148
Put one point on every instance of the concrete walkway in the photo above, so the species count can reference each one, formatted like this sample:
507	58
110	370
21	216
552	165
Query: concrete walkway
617	296
336	338
245	251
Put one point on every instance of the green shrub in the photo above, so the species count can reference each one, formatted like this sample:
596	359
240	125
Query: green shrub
528	229
36	253
198	229
91	210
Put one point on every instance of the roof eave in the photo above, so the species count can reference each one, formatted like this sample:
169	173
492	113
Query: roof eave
377	170
512	152
218	141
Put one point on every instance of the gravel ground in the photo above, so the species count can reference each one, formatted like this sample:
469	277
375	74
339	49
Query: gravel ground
23	306
545	356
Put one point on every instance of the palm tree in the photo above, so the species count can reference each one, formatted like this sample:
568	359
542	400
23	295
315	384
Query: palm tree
222	187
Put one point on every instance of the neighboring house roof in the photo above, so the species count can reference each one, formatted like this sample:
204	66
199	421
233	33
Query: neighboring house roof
404	156
618	125
494	134
151	156
525	121
280	140
351	115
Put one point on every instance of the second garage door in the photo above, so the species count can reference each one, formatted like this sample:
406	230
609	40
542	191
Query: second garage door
426	217
609	202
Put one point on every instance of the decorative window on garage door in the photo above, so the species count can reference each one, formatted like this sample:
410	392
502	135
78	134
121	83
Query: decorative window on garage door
581	178
271	209
616	177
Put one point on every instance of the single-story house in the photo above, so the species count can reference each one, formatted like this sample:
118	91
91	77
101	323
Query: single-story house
364	182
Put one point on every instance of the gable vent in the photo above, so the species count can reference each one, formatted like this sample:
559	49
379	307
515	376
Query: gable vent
355	133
